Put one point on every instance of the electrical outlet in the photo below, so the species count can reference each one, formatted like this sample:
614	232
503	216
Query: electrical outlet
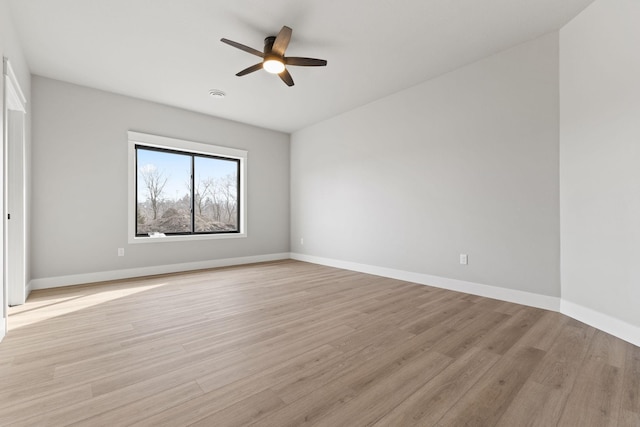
302	241
120	251
464	259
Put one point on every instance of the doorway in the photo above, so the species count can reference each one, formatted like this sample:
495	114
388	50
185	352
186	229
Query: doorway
13	251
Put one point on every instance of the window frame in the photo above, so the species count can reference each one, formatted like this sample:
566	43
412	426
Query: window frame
180	146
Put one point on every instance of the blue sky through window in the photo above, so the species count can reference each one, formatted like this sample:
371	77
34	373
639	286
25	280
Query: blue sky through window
177	169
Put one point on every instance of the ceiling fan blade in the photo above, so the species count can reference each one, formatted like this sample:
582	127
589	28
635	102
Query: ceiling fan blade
251	69
286	77
282	41
243	47
305	62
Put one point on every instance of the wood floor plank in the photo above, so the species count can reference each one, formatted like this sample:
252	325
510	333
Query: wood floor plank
309	409
631	385
468	318
564	359
429	403
50	402
388	364
596	396
289	343
458	343
488	399
190	365
379	396
41	390
244	412
535	405
357	352
437	316
367	336
111	361
269	357
227	395
544	332
74	412
542	399
607	349
629	419
502	338
144	408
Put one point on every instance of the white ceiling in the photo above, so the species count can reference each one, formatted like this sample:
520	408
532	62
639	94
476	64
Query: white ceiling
170	52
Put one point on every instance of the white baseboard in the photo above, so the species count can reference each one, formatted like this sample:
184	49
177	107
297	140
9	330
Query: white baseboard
504	294
103	276
611	325
27	290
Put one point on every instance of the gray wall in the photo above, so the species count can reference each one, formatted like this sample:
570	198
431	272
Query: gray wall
464	163
80	181
600	159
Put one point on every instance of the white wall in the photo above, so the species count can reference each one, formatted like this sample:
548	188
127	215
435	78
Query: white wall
464	163
80	184
600	160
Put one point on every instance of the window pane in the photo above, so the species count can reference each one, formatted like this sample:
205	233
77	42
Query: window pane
216	194
163	193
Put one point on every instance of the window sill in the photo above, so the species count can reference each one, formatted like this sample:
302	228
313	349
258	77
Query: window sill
166	239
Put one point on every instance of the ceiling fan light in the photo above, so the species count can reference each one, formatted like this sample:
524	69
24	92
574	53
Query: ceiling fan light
273	66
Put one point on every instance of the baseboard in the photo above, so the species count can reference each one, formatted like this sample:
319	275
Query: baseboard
103	276
27	290
519	297
611	325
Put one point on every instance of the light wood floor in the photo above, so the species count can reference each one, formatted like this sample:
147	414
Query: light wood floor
290	344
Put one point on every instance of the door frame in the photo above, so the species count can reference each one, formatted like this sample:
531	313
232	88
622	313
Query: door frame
14	136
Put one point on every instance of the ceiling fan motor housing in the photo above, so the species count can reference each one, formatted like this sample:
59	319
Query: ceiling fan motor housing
268	49
268	44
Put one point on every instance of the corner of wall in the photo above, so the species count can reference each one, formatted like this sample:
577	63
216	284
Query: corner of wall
608	324
598	167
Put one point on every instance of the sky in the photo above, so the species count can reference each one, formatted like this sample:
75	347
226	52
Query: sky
177	169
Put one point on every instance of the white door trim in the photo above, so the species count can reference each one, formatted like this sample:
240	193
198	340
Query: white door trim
14	102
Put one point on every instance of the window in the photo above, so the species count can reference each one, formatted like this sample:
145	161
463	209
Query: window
181	190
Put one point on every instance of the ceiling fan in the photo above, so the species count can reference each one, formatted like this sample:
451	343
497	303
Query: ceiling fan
273	59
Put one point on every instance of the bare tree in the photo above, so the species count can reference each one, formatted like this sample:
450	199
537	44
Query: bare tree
154	181
229	189
214	193
203	187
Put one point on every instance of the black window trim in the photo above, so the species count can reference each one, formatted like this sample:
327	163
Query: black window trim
193	156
